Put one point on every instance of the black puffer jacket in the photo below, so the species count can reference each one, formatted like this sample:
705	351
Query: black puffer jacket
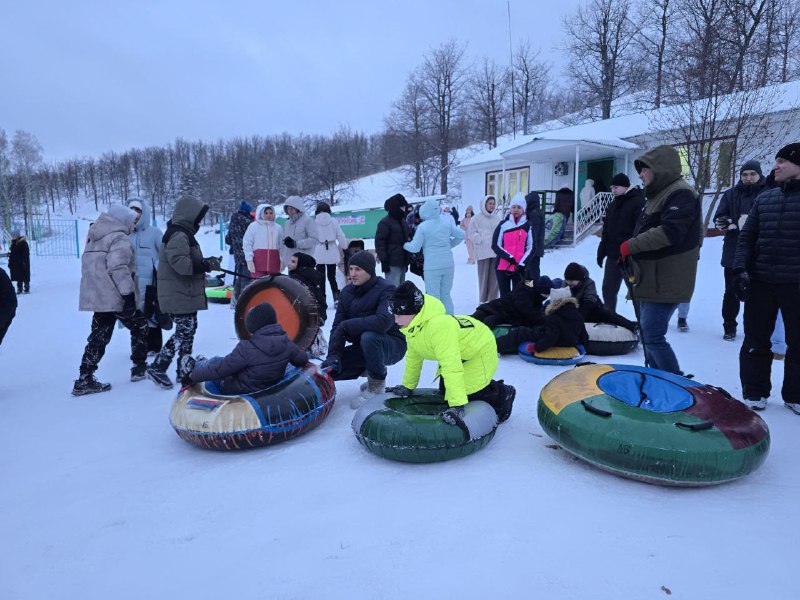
563	326
392	233
769	244
363	308
586	291
533	212
523	306
735	203
254	364
619	222
306	273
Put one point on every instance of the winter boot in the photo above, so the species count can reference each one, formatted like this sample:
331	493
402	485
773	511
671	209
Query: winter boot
506	401
793	406
369	389
730	334
756	403
87	384
138	372
157	373
683	325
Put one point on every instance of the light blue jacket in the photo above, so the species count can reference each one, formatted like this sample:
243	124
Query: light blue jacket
435	237
146	240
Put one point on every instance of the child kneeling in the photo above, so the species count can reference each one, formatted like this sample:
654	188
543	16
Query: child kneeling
254	364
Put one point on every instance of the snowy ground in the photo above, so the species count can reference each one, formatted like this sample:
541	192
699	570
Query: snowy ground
101	499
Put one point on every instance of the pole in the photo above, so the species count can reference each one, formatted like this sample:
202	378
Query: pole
511	66
627	276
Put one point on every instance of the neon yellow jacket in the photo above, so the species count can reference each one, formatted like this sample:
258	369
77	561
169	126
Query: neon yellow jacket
464	347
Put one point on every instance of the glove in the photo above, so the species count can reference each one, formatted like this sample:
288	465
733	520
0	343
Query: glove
741	284
289	242
332	364
624	250
400	391
600	261
212	263
511	260
385	267
187	364
128	306
724	223
455	416
530	348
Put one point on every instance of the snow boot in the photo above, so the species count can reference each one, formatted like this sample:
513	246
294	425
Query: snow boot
793	406
756	403
507	401
369	389
683	325
157	373
87	384
138	372
730	334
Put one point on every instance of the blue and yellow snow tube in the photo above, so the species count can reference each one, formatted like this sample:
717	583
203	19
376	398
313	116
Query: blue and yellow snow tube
652	426
412	429
209	419
557	355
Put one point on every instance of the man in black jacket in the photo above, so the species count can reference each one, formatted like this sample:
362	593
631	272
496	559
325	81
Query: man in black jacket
391	234
730	217
533	212
618	225
767	277
363	319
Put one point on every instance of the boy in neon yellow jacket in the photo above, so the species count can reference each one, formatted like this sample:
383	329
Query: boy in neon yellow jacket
464	347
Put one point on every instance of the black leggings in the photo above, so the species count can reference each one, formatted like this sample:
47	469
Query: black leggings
331	269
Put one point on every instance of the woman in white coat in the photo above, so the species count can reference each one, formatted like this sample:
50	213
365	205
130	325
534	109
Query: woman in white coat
263	234
330	246
480	231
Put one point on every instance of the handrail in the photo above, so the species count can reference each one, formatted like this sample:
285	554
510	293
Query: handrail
591	213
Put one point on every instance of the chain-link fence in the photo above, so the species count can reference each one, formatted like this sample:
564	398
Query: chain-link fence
54	237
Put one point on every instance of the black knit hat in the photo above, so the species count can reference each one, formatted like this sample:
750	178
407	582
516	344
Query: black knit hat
574	272
260	316
751	165
544	284
621	180
790	152
406	300
363	260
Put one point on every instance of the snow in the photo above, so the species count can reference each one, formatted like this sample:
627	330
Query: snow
101	499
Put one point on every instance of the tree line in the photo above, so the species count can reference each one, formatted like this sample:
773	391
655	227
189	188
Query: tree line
621	57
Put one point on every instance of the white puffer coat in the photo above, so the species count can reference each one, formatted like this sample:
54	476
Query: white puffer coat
261	234
331	241
481	229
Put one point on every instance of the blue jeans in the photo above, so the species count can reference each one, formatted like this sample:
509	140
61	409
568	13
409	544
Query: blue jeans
654	317
375	351
395	276
439	283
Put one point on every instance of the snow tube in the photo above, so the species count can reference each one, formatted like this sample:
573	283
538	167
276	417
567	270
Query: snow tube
215	281
609	340
412	430
554	227
209	419
557	355
221	294
652	426
294	305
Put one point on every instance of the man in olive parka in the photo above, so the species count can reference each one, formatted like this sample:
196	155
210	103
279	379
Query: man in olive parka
663	251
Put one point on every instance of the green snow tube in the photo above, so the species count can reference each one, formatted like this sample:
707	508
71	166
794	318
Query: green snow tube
412	430
554	226
221	294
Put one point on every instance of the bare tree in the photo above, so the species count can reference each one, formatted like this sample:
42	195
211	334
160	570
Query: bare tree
5	179
599	35
489	100
652	39
408	123
531	78
26	156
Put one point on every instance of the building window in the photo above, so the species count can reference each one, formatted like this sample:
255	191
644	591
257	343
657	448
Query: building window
518	181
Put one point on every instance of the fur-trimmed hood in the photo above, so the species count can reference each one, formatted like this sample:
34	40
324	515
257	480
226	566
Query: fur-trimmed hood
558	304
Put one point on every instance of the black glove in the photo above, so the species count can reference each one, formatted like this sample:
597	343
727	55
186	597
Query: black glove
212	263
741	283
600	261
332	365
186	366
400	391
128	306
289	242
385	267
724	223
455	416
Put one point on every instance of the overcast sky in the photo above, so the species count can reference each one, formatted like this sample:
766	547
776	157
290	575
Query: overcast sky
89	76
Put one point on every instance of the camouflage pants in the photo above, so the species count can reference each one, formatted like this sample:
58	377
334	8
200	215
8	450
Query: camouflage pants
180	342
102	330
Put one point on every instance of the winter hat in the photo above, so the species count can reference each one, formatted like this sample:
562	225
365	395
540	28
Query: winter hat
560	293
123	214
245	207
621	180
135	204
406	300
533	197
790	153
305	260
323	207
518	200
364	260
574	272
544	285
260	316
396	200
751	165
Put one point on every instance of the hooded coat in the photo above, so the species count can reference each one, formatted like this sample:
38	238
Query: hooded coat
108	266
481	229
307	274
19	260
563	326
146	239
736	203
619	222
435	237
392	233
533	212
262	235
181	272
513	240
301	228
331	241
240	221
253	364
665	246
463	346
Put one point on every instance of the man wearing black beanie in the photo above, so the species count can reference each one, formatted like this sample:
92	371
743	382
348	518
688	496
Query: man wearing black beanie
364	337
766	271
734	206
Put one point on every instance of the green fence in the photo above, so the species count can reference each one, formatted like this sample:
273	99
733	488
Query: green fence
54	237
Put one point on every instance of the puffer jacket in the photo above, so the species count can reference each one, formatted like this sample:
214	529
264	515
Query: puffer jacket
262	235
146	239
181	272
19	260
302	229
435	237
769	244
108	267
619	222
563	327
392	232
736	203
240	221
330	240
586	290
253	364
523	306
513	240
481	229
307	274
665	246
452	341
533	212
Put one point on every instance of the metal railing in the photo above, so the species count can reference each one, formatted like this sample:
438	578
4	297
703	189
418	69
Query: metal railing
54	237
591	213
